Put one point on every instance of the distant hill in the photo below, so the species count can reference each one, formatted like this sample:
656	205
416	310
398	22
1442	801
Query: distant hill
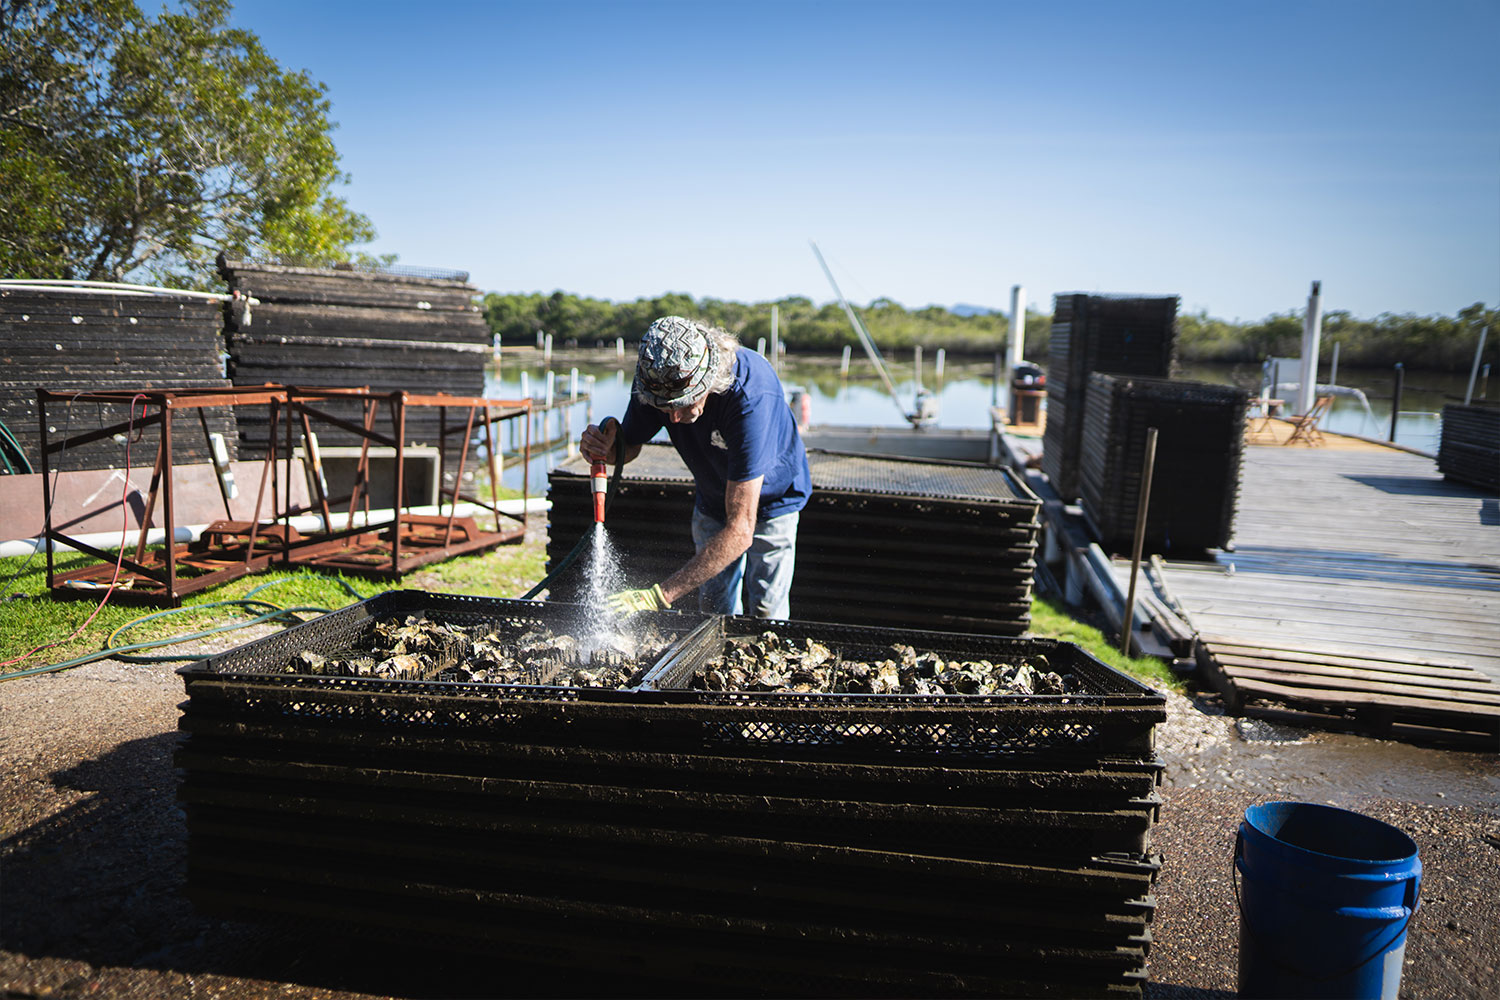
967	310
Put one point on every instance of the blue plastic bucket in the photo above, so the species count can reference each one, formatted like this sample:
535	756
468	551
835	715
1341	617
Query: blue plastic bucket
1325	900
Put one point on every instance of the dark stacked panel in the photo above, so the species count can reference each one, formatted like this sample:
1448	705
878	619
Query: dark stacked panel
1196	475
882	541
1097	333
728	842
413	332
1469	449
93	340
1059	787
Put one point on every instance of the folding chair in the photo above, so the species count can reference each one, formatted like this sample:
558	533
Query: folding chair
1259	417
1305	427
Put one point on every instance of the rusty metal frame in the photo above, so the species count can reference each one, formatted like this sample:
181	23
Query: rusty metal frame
406	540
152	578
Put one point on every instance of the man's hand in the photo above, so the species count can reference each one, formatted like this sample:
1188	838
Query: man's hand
630	601
598	440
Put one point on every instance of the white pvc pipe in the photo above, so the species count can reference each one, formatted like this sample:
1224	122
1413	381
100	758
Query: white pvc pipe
1017	327
1312	335
68	285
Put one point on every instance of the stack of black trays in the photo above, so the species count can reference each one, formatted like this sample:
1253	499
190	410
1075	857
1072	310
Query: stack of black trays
1469	449
1196	477
730	843
86	341
882	541
397	329
1097	333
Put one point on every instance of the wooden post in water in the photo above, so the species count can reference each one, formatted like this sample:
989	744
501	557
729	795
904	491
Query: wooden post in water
1474	371
1127	623
775	342
1396	400
844	364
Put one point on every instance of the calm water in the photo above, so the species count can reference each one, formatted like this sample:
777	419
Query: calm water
965	392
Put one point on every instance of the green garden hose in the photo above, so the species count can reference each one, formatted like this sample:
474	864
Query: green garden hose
113	652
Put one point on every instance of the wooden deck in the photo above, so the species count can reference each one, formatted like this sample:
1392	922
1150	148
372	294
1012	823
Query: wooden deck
1362	588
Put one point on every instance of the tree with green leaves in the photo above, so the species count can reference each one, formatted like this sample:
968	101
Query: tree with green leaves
143	147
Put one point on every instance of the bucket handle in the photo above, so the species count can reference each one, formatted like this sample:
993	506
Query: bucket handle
1234	878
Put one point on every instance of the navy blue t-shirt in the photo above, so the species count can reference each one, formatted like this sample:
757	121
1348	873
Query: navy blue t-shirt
745	432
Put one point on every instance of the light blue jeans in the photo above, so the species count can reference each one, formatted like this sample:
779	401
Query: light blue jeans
759	582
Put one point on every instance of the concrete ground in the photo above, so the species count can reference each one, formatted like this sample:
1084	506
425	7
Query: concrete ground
92	854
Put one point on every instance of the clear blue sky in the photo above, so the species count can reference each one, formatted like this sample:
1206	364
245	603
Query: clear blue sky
938	152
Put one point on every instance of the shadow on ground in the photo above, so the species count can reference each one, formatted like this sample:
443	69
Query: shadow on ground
99	886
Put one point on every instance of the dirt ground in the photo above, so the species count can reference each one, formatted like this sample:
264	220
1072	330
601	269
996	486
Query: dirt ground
92	855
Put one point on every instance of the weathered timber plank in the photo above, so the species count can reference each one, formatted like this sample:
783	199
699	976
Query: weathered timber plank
1357	640
1324	695
1473	607
1233	647
1480	684
1323	681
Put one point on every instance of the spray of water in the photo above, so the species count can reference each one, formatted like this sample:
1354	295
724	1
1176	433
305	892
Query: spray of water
601	628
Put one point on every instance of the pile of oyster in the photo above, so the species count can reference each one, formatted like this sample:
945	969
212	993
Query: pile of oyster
424	650
770	662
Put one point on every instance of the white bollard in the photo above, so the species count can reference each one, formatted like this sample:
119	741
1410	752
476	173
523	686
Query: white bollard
620	348
760	347
525	386
551	384
941	354
573	385
917	365
540	339
547	351
844	365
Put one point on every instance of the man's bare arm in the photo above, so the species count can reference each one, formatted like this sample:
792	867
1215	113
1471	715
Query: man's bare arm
741	505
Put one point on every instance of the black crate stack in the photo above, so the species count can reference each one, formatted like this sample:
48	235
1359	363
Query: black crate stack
1469	447
722	842
391	329
92	340
1196	477
1097	333
882	541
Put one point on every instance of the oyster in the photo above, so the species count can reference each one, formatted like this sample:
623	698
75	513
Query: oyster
772	662
418	648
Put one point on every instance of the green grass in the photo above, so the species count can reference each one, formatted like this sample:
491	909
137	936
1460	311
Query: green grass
37	619
1051	621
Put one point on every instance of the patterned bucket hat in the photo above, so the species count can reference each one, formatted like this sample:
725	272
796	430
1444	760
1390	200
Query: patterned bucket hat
677	362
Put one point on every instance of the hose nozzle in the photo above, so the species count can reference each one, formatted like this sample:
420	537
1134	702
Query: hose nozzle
600	479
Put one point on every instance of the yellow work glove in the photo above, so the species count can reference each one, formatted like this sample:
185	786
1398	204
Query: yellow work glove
630	601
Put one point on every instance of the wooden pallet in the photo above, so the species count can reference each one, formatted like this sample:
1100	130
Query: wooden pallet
1379	696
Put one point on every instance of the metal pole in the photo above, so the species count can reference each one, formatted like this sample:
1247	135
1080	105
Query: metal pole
1396	400
1127	623
1333	371
1474	371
